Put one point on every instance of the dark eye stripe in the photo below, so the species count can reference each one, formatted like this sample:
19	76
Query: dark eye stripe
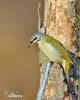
35	38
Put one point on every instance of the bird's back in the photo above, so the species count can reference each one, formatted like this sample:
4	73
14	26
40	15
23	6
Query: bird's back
54	50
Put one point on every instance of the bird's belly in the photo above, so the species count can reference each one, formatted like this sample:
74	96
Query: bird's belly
51	52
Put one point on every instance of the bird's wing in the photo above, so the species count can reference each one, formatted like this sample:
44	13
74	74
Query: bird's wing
59	47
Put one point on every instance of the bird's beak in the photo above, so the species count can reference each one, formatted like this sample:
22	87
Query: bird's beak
29	44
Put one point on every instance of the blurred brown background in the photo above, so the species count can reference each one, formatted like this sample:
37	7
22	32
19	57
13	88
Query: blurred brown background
19	69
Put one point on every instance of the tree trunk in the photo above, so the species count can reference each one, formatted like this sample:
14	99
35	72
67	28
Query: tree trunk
59	22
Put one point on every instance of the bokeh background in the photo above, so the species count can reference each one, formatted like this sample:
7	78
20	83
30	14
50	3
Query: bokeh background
19	68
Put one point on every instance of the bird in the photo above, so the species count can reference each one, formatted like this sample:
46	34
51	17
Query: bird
53	49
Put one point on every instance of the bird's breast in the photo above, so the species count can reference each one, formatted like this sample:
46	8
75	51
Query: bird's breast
51	52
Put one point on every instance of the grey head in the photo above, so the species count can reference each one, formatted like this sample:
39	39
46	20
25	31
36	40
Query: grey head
36	38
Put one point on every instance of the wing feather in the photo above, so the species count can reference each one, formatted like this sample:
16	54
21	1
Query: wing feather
59	47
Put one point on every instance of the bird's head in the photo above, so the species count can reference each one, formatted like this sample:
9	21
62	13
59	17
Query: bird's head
35	38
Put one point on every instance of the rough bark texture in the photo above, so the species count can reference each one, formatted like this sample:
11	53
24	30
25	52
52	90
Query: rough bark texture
59	20
58	15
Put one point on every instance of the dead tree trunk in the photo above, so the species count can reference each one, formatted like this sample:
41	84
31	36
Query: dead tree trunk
59	22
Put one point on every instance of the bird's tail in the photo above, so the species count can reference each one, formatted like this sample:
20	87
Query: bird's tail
66	69
72	71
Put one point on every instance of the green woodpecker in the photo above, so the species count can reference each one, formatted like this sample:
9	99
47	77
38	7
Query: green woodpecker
53	49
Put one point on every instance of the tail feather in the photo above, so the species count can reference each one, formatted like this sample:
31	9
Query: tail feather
66	66
74	74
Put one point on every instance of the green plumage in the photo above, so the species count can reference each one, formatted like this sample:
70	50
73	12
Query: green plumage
53	49
56	52
50	46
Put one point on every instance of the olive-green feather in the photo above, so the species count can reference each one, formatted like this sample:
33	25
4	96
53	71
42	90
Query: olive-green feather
59	47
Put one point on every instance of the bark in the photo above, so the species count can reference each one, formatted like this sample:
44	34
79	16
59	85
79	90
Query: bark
59	22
